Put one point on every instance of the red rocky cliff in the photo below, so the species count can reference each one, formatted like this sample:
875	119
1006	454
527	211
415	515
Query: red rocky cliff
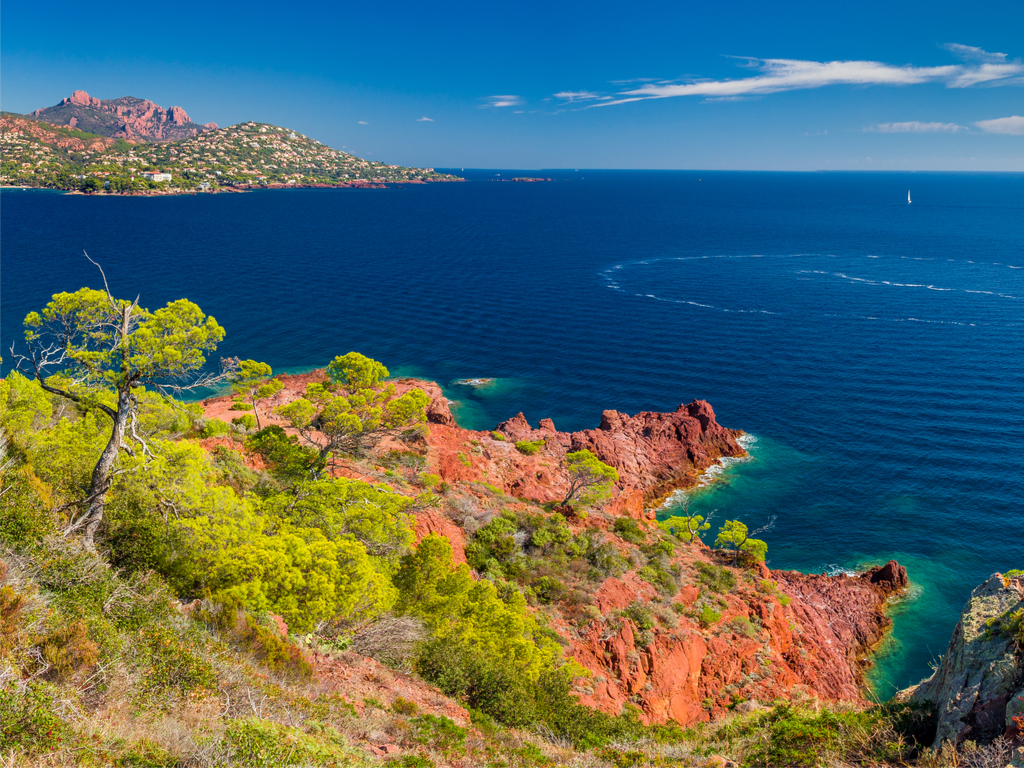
124	118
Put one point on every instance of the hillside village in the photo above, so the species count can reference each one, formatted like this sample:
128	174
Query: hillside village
37	154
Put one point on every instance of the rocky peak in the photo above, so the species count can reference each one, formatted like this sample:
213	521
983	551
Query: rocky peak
81	98
123	118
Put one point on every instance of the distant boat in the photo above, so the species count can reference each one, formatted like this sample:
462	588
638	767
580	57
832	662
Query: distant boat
908	197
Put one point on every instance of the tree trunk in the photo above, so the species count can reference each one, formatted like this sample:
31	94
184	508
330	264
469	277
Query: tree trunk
104	468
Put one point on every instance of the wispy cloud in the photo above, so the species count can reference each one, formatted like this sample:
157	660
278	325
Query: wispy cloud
501	101
363	122
779	75
914	126
970	53
424	120
570	96
1013	126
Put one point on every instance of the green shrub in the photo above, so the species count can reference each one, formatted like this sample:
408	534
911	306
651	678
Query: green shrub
1014	573
663	579
439	733
464	459
708	616
498	436
640	615
172	664
263	744
790	736
548	589
402	706
248	421
216	428
410	761
28	723
403	460
145	754
528	448
240	407
630	530
741	625
717	578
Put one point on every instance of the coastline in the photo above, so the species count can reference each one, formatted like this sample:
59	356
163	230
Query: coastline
237	188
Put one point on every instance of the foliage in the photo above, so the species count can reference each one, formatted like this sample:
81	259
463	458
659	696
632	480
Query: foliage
283	455
708	616
590	479
735	534
28	722
529	448
105	350
349	422
685	527
798	737
262	743
460	610
630	530
251	379
500	437
356	371
717	578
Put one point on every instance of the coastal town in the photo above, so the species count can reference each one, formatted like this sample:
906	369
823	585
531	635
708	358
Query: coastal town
244	156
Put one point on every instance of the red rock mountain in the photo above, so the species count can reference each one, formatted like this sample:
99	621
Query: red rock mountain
124	118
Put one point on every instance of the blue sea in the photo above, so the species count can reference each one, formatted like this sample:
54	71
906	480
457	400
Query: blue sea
872	349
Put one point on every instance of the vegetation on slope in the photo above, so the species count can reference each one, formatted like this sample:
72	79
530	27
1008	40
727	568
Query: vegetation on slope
165	646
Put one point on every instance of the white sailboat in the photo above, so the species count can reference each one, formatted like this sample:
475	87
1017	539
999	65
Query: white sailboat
908	197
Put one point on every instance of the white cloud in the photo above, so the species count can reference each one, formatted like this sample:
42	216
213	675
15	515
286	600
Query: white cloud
570	96
502	101
363	122
1013	126
970	53
424	120
778	75
914	126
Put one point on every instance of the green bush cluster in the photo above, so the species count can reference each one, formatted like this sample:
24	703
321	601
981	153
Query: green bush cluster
717	578
529	448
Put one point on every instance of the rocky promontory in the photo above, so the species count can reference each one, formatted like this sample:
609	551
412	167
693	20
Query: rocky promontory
725	634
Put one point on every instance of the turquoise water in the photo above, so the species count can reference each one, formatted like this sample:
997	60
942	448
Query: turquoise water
873	348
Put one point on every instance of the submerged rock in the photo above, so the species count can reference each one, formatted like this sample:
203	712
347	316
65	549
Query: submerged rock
978	689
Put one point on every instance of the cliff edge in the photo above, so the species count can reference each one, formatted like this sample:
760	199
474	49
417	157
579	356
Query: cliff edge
978	688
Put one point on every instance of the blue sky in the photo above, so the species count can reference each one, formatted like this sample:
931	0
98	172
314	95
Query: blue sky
775	86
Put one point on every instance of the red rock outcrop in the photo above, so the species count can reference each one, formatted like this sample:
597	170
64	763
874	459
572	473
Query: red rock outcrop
758	649
654	452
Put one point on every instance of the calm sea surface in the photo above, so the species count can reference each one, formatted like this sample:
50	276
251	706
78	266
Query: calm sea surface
873	348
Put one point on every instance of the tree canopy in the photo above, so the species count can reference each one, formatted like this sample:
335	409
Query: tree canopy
100	352
590	479
348	421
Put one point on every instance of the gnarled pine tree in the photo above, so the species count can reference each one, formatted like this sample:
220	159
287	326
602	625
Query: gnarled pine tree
98	352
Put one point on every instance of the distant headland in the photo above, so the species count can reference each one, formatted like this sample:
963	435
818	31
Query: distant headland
133	146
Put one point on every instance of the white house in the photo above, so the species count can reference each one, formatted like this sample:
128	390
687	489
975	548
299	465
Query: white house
155	176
